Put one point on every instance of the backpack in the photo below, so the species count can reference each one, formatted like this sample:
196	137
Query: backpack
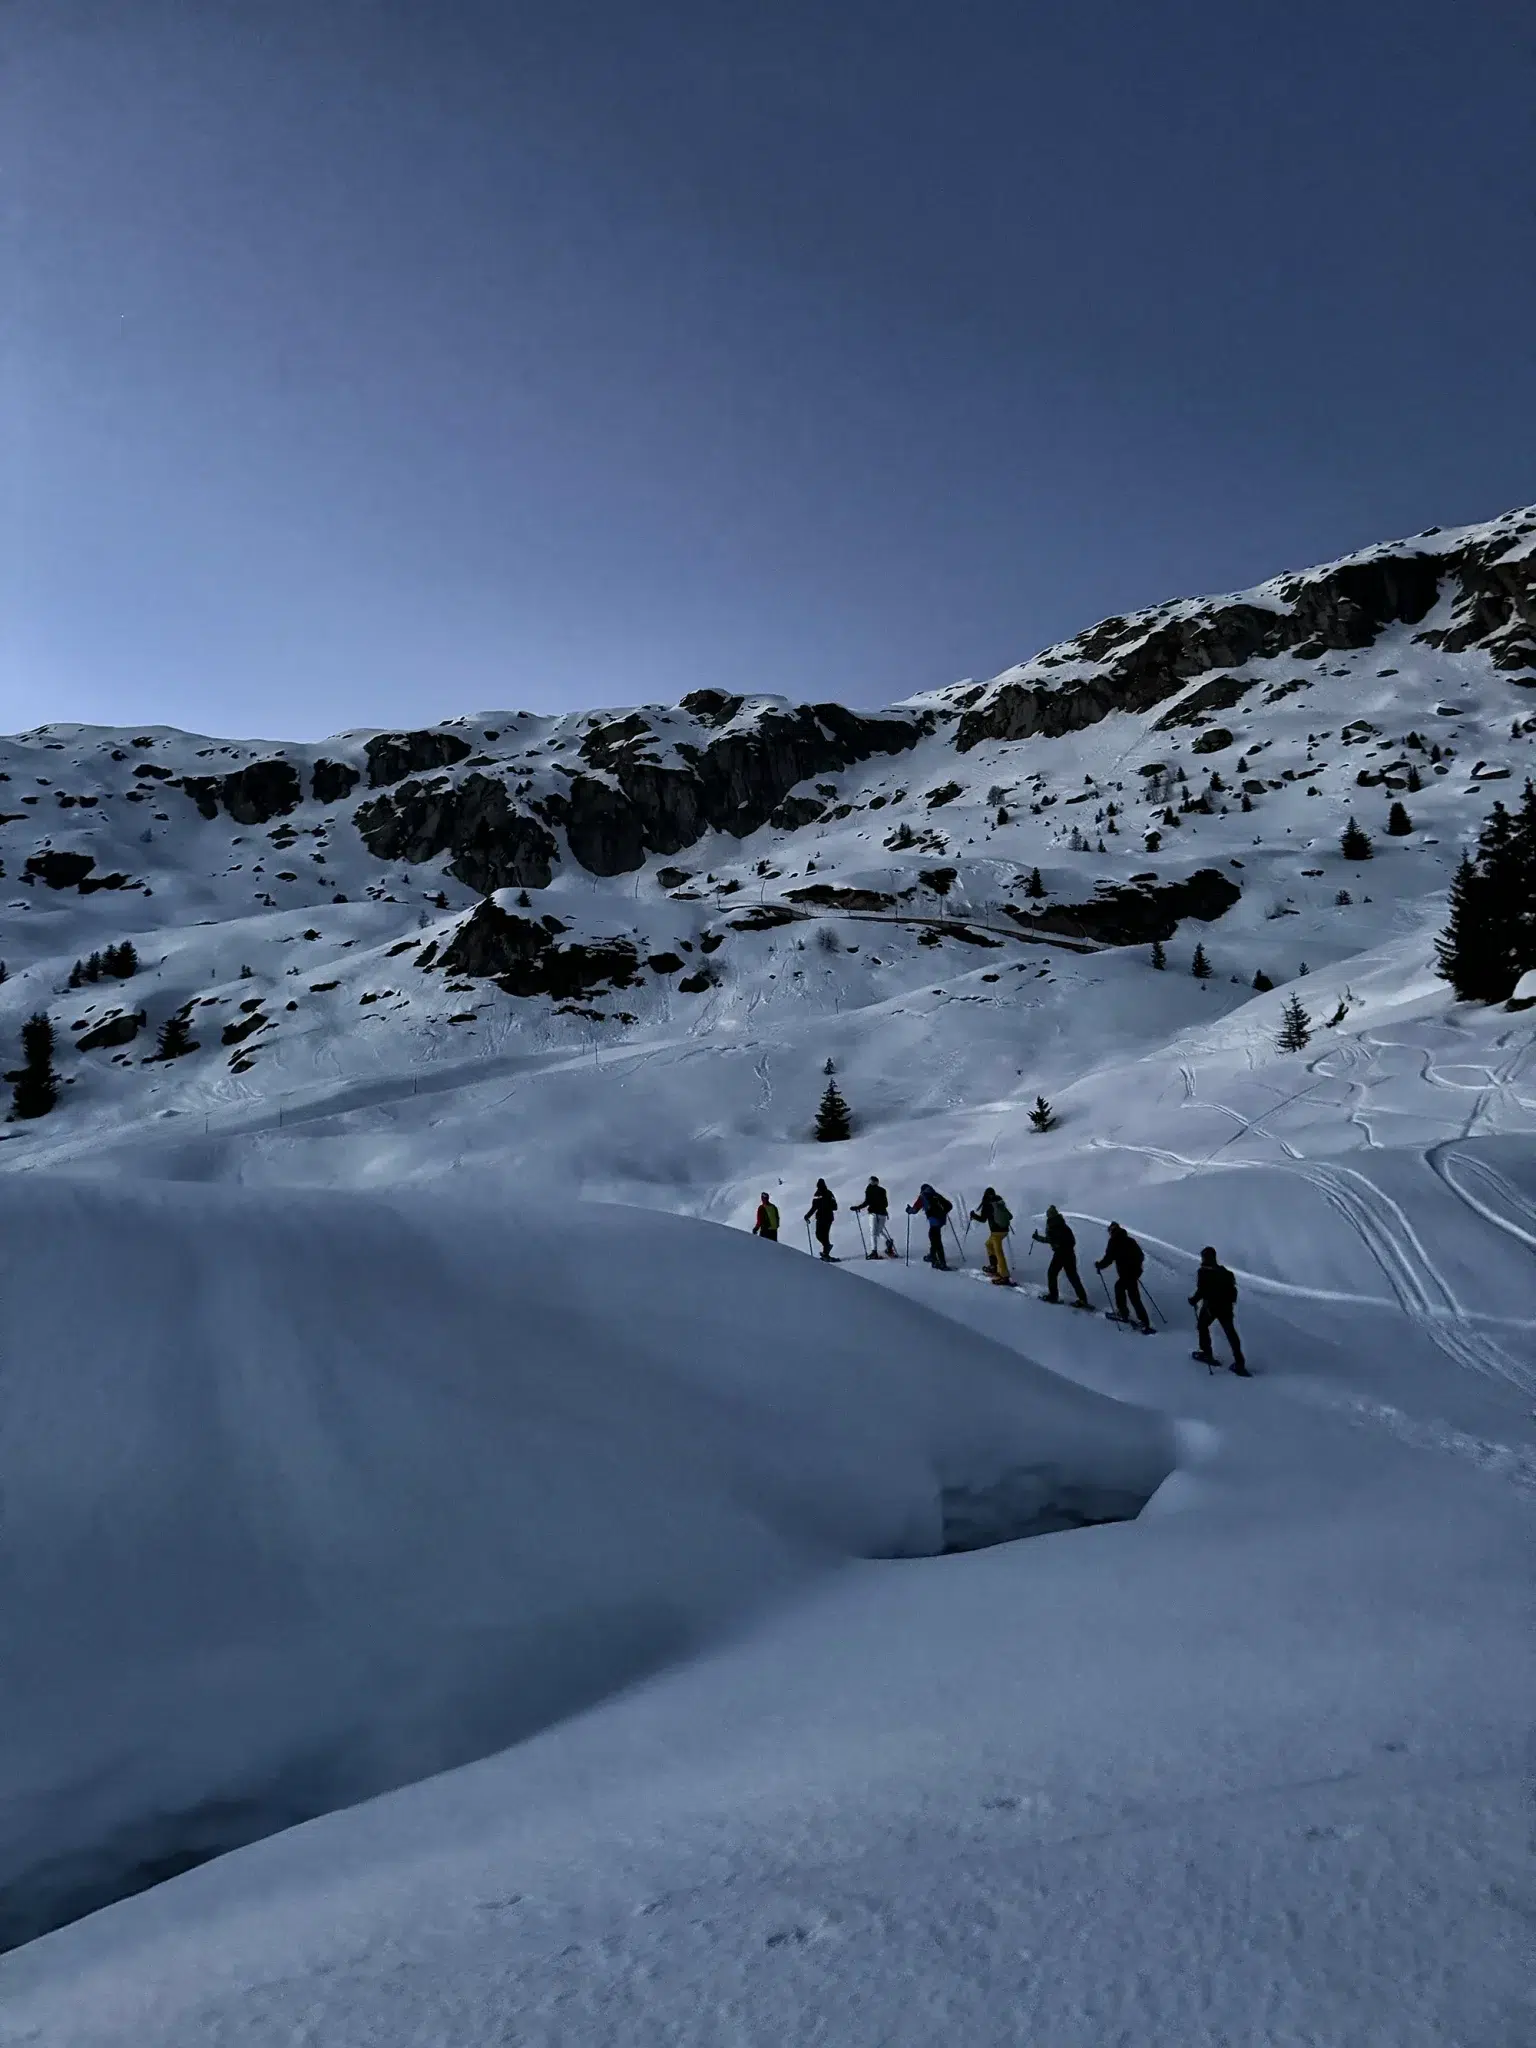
941	1207
1133	1261
770	1216
1002	1215
1220	1288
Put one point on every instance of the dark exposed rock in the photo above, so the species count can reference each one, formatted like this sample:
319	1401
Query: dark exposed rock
673	878
493	846
712	707
665	963
122	1029
696	984
763	917
1219	694
91	883
1213	742
59	870
232	1034
394	755
1135	916
825	897
602	827
264	789
331	781
734	784
251	795
1144	662
796	811
525	960
939	880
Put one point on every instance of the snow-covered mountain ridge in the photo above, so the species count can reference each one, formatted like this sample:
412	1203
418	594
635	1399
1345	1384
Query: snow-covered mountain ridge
1194	761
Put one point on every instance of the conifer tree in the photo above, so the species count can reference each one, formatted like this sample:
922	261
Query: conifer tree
175	1037
1034	888
1200	967
1262	982
1042	1116
1295	1027
1354	843
1415	781
833	1119
37	1085
1159	957
1247	801
1399	824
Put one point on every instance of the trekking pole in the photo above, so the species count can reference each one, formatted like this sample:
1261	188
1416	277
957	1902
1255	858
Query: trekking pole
1105	1285
1153	1299
909	1240
808	1233
860	1221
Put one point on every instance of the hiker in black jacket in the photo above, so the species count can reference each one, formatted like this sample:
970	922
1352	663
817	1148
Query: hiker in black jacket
877	1204
823	1208
1215	1297
1127	1257
1059	1236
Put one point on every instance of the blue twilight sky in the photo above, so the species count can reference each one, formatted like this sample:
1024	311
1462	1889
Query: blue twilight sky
365	361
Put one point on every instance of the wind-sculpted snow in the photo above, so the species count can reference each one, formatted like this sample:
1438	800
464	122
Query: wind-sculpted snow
309	1496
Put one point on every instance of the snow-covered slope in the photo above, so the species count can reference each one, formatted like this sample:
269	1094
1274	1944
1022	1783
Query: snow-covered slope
345	1438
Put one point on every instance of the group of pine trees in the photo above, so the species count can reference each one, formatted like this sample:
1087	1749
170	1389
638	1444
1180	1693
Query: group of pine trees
118	962
1490	940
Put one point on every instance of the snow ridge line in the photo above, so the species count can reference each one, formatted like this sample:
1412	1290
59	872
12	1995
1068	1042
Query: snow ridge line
1422	1291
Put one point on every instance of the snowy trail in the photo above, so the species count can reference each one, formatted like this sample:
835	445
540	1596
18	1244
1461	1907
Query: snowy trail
1422	1291
1498	1201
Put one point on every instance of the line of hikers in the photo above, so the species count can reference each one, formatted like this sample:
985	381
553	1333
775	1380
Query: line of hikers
1214	1298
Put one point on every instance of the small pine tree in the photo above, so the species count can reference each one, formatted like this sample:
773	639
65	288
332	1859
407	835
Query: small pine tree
1355	844
77	974
1002	815
1159	957
1154	842
92	968
830	1067
175	1037
1200	967
1247	801
1399	824
1042	1116
834	1122
1078	843
37	1085
1295	1027
5	972
1415	781
1343	899
1262	982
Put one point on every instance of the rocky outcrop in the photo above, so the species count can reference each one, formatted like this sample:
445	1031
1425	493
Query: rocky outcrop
122	1029
492	845
251	795
1139	662
59	870
392	756
332	781
1219	694
734	784
525	958
1135	916
823	896
1495	605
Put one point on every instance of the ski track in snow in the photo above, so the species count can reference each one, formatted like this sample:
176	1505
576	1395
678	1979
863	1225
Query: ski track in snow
1502	1204
1422	1291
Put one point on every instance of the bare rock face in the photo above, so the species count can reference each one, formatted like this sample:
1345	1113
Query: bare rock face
493	846
1135	916
734	784
59	870
251	795
332	781
122	1029
1139	662
524	957
394	755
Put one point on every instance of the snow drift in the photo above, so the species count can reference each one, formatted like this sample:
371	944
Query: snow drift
308	1496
